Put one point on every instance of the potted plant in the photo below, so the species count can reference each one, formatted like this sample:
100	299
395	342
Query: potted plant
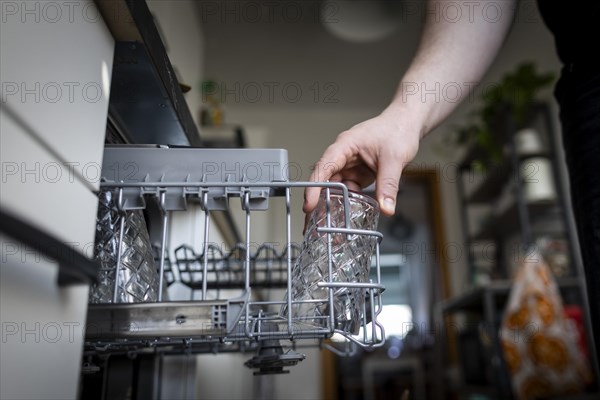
211	113
516	94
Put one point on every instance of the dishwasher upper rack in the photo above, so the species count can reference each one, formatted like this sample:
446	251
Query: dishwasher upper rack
268	267
186	324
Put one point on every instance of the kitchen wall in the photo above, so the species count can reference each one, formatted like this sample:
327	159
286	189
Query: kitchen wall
293	85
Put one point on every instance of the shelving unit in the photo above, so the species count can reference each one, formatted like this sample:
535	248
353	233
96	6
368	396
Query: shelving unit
482	306
519	216
510	218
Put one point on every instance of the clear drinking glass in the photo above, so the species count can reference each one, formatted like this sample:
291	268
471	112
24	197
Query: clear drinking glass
350	258
138	276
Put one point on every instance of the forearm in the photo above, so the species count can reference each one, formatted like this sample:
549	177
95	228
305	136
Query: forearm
453	55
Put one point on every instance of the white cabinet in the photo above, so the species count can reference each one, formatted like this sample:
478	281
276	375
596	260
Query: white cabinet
42	190
55	69
42	327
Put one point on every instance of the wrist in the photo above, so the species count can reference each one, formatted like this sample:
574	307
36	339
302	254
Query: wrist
408	117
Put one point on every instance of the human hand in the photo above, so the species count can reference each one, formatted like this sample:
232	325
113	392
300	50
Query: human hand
376	149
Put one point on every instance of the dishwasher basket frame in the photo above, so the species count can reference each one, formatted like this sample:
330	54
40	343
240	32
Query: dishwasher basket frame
232	324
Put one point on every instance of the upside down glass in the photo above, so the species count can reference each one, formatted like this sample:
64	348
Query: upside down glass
350	258
138	276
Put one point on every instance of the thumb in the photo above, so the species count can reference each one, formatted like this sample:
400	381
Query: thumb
388	180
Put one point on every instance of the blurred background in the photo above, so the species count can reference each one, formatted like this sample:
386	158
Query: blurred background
290	74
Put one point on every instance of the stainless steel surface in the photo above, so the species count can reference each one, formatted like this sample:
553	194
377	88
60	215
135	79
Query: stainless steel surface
175	319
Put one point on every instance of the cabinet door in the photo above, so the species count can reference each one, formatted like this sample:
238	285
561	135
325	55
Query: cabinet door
40	189
42	327
55	67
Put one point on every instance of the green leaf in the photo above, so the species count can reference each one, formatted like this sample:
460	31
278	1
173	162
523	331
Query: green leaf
516	91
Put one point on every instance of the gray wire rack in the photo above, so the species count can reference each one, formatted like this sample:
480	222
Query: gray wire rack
233	324
268	267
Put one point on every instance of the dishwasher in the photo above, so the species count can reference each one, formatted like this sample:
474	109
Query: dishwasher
230	307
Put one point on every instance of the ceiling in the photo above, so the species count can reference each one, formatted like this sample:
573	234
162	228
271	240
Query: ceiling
268	52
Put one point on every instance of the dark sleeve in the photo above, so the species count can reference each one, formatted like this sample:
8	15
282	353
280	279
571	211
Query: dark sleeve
575	25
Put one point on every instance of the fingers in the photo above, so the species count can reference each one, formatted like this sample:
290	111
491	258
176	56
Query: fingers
332	161
306	221
311	194
378	145
352	185
388	180
355	178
